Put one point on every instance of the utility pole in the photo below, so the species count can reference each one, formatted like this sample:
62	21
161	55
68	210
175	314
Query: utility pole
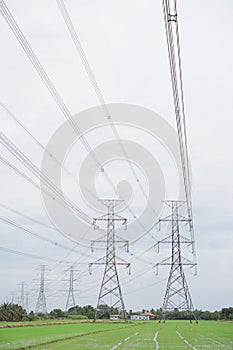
70	298
177	295
110	294
41	303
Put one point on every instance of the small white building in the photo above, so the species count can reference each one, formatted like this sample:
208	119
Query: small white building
115	317
139	318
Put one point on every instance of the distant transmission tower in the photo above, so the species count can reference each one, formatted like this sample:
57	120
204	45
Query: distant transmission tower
26	302
21	299
177	295
110	294
41	303
70	298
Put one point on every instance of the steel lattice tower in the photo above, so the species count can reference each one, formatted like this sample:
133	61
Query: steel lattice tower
177	295
41	302
21	299
110	294
70	298
26	302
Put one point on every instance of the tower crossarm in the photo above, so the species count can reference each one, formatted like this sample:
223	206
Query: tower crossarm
118	240
169	240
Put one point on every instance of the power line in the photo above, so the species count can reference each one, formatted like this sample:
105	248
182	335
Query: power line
170	19
13	117
22	174
22	126
78	45
51	156
48	240
55	229
145	287
9	145
29	255
42	73
28	217
35	234
172	31
183	149
76	40
36	171
40	70
48	83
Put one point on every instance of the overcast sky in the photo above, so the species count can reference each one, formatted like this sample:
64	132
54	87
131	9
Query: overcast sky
125	44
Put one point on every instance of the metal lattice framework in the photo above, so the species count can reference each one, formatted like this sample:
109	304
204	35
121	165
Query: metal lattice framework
41	302
110	294
177	295
22	295
70	302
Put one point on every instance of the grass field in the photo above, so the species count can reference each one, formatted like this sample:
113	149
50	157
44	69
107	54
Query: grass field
151	335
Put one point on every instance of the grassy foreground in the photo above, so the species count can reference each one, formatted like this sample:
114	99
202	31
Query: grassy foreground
151	335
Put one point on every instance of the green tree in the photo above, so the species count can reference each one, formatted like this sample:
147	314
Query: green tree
12	312
87	310
225	313
57	313
214	316
31	316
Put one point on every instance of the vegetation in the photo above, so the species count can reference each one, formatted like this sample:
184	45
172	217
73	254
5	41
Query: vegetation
224	314
134	335
87	311
57	313
12	313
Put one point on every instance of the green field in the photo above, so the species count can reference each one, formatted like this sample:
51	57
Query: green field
150	335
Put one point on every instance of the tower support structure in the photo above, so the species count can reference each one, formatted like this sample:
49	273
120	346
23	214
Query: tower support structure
41	301
110	294
70	302
21	299
177	294
26	301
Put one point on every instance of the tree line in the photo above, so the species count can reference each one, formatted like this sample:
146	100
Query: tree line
224	314
13	312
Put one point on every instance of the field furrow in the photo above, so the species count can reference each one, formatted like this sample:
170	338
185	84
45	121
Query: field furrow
110	336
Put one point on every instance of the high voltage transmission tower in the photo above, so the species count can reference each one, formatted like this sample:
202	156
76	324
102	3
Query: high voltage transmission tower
70	297
26	301
177	295
110	294
41	302
21	298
